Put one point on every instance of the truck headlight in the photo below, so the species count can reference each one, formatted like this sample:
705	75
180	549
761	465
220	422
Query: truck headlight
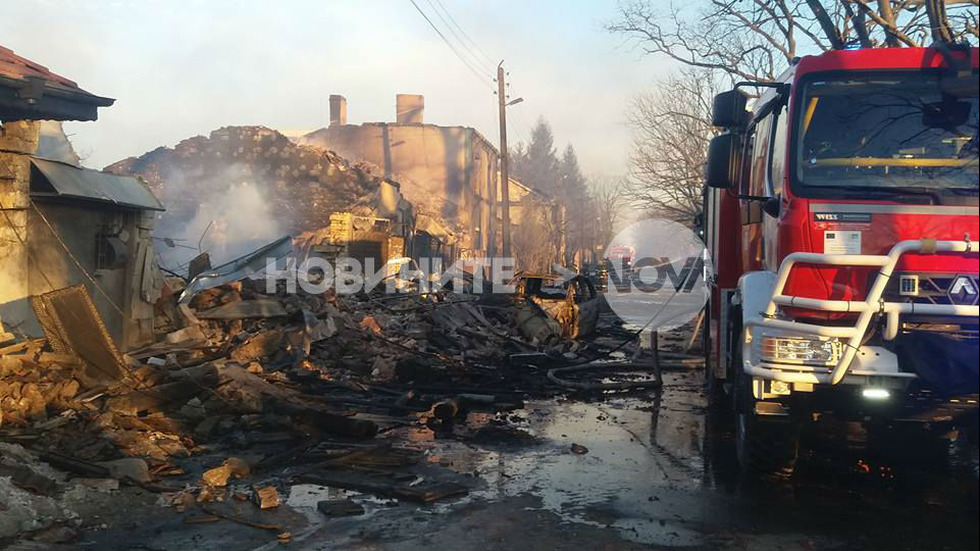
800	350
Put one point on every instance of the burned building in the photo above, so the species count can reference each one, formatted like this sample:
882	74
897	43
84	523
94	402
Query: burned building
537	228
241	187
63	225
380	231
448	172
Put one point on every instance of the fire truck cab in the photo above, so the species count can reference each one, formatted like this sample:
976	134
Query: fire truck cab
841	214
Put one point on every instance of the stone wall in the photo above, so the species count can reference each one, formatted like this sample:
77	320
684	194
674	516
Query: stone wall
18	140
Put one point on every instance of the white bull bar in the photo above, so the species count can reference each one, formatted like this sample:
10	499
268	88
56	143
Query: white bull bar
866	309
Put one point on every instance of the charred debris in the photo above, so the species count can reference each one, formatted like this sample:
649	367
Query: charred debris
248	392
226	395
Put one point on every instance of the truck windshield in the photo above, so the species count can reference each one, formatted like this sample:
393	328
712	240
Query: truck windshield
887	132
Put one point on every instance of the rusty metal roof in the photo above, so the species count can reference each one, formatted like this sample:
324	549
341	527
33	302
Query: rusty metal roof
57	179
30	91
431	226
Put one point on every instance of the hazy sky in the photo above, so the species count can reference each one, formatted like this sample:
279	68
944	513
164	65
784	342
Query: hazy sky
182	68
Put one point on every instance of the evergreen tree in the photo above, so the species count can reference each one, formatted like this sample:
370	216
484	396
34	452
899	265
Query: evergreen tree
573	193
572	185
536	163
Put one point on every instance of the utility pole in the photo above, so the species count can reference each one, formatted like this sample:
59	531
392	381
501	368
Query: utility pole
505	182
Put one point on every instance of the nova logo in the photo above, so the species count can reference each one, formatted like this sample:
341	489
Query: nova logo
963	290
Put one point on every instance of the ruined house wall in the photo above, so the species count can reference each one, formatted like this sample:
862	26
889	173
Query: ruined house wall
41	264
18	140
52	268
446	172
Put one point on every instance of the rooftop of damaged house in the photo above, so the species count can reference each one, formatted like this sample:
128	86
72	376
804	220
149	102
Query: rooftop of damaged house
143	371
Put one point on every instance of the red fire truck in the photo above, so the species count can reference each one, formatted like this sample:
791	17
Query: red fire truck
620	255
841	213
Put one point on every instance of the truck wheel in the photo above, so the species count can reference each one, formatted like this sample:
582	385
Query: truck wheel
712	386
765	447
719	400
762	446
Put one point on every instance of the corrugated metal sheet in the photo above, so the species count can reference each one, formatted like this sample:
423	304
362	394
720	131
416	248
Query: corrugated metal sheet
240	268
84	183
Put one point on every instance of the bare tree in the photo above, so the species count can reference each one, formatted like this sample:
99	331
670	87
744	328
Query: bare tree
608	208
537	236
756	39
671	130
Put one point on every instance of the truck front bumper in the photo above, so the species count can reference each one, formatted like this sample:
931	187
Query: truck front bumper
847	360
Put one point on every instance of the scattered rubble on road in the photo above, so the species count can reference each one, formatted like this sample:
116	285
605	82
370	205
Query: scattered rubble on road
247	393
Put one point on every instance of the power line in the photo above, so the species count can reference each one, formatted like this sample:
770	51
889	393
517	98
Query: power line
521	133
451	47
453	23
523	125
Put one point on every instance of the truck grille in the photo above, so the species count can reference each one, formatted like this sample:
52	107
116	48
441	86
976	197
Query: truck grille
932	288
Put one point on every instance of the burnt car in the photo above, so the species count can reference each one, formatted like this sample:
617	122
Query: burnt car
572	303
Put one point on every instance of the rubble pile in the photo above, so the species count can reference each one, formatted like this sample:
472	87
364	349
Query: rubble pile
247	392
303	184
32	380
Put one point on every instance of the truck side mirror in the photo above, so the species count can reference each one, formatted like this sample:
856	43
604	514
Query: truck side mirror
720	168
960	86
772	206
947	114
728	110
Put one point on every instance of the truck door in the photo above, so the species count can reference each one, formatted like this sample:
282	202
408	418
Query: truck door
774	187
755	172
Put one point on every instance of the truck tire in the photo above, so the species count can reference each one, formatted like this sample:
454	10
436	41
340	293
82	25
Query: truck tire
762	446
720	398
766	447
712	386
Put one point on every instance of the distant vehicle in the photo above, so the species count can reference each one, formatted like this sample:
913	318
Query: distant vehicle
842	217
620	256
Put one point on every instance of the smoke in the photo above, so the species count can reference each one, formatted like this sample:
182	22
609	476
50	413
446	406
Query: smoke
240	221
54	144
240	188
226	216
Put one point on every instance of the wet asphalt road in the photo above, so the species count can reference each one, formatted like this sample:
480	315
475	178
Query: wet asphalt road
659	473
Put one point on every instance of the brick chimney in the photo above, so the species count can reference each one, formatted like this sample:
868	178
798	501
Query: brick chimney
409	108
338	110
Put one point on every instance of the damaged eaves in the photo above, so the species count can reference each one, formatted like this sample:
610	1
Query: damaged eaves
29	91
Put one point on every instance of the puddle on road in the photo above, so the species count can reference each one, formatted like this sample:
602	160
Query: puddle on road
657	474
641	476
